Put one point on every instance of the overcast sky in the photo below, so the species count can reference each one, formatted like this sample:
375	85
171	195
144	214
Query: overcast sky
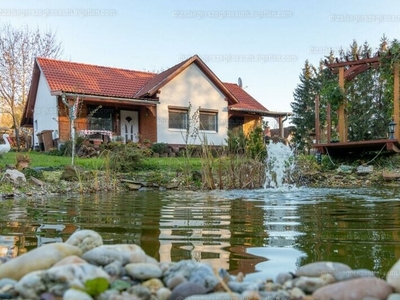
265	43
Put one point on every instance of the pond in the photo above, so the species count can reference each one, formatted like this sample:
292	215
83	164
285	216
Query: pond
257	232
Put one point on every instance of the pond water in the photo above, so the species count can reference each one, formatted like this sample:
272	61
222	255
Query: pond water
257	232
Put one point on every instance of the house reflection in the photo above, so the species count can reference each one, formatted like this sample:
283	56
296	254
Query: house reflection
26	238
219	234
7	246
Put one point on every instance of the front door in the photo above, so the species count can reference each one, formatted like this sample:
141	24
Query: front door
129	125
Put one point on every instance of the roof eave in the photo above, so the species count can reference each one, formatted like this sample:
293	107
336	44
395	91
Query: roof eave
265	113
88	96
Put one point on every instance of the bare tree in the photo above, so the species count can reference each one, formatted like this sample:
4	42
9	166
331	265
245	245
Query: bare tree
18	49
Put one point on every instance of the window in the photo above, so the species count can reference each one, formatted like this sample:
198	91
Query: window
100	119
178	119
208	121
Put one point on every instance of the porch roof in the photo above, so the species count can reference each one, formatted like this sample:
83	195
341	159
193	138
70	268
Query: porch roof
246	103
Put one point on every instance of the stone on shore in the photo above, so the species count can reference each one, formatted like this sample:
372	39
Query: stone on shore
192	271
393	276
311	284
123	253
316	269
73	259
57	280
352	274
31	285
143	271
218	296
85	239
355	289
187	289
73	294
40	258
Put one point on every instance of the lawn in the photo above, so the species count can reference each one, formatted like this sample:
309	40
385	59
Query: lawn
39	159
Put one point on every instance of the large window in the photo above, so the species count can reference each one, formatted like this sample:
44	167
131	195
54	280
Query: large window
208	120
100	118
178	118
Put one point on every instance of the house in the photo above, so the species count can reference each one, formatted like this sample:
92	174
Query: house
136	105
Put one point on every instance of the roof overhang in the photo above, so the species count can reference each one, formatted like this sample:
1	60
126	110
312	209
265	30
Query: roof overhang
99	97
272	114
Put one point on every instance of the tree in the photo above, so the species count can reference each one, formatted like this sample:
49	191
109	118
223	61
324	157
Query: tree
18	48
303	106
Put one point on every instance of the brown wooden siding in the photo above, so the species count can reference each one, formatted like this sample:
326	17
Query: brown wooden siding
250	123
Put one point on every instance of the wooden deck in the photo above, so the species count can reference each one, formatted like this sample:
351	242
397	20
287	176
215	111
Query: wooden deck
391	145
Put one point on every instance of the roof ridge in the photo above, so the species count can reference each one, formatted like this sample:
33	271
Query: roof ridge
94	65
164	75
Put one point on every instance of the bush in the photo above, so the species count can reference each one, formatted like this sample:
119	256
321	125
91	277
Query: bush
255	147
126	158
28	172
160	148
66	148
236	142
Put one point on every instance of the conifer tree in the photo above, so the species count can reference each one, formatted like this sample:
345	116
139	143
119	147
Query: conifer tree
303	107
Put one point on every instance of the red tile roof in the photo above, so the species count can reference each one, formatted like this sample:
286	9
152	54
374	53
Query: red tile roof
91	79
246	102
121	83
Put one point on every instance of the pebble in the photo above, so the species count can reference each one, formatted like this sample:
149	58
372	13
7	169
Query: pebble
393	276
318	268
163	293
354	289
153	285
192	271
40	258
187	289
309	284
359	273
73	294
85	239
143	271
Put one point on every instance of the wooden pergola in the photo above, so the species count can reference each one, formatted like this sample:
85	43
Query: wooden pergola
348	70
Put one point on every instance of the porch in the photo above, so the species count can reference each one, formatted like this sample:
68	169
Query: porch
339	148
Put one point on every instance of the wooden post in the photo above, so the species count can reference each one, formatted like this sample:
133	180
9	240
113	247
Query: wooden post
281	129
396	100
342	126
317	121
329	123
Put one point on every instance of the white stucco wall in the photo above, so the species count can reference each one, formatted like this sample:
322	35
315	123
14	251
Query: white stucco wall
191	86
45	114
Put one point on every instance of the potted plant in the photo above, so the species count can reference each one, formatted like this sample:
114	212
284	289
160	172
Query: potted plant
118	139
147	143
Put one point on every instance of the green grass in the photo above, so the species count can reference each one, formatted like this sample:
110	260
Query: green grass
39	159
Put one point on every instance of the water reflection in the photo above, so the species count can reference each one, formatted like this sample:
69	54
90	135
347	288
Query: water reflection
259	233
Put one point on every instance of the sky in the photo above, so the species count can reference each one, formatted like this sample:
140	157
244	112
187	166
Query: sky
264	42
